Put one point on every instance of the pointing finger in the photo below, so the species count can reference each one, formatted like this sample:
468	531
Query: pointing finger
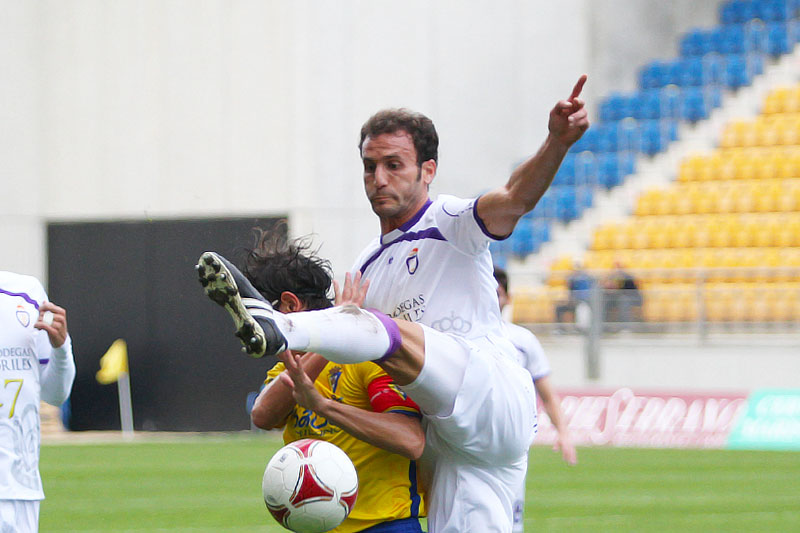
576	91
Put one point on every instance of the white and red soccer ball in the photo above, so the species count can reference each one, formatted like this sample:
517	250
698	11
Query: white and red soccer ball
310	486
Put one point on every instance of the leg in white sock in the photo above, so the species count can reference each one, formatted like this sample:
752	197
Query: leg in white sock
345	334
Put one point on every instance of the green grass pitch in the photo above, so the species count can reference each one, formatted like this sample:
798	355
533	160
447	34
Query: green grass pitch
213	484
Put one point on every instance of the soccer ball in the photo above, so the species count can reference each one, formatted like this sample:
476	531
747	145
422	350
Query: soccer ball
310	486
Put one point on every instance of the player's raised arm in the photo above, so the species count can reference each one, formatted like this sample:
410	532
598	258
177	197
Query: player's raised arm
501	208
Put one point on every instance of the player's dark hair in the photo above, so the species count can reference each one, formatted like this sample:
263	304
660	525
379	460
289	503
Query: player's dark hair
275	264
502	277
420	127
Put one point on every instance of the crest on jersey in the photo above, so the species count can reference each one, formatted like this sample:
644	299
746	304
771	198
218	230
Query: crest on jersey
333	377
412	261
23	317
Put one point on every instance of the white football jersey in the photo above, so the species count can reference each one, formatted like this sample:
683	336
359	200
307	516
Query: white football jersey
437	270
530	353
25	353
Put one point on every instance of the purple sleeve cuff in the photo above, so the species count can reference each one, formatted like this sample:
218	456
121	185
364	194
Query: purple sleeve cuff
481	225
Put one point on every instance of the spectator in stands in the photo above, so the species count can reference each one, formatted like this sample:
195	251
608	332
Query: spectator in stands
580	286
621	297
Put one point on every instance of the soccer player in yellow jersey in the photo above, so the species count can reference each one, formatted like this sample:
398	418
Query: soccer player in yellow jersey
355	406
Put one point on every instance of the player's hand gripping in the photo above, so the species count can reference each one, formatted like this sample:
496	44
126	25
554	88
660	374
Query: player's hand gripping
303	390
54	323
569	119
354	291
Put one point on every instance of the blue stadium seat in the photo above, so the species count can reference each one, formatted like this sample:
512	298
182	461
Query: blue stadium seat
586	169
670	100
756	39
522	238
740	69
732	40
654	137
654	75
541	232
607	137
695	43
692	73
616	107
546	208
778	39
774	10
647	104
628	135
608	171
566	172
737	11
584	197
694	105
714	69
566	206
587	142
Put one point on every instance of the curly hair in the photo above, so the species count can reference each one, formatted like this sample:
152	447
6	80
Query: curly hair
275	264
420	127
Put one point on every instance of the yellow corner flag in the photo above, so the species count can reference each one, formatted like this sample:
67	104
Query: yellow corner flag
113	363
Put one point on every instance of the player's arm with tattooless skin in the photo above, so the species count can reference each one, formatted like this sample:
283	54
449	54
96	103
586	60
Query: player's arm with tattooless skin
550	402
501	208
395	432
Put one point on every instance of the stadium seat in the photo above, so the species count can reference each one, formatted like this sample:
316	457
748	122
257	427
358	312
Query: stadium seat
695	43
778	39
774	10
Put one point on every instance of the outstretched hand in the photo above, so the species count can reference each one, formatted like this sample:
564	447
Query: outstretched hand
354	291
303	390
569	119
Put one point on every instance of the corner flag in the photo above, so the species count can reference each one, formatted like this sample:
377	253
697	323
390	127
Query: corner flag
113	363
114	367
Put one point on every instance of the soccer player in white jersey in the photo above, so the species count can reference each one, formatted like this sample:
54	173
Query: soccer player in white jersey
35	364
530	355
431	318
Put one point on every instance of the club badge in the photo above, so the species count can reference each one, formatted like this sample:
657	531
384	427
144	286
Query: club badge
412	261
23	317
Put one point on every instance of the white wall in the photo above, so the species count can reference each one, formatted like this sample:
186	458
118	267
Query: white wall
138	109
737	363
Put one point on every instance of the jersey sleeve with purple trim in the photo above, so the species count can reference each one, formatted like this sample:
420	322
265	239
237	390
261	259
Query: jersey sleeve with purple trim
24	352
458	221
530	353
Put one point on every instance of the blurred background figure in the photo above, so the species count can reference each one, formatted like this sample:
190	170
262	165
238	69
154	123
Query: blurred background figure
579	284
531	356
621	298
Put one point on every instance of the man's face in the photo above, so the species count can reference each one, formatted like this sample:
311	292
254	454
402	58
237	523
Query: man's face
396	186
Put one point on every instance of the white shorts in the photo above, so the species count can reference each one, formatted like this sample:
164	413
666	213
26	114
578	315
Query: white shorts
19	516
478	455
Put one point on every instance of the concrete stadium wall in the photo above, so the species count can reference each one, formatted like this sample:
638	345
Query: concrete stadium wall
738	363
137	110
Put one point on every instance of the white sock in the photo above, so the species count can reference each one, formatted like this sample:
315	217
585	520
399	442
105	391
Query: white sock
344	334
